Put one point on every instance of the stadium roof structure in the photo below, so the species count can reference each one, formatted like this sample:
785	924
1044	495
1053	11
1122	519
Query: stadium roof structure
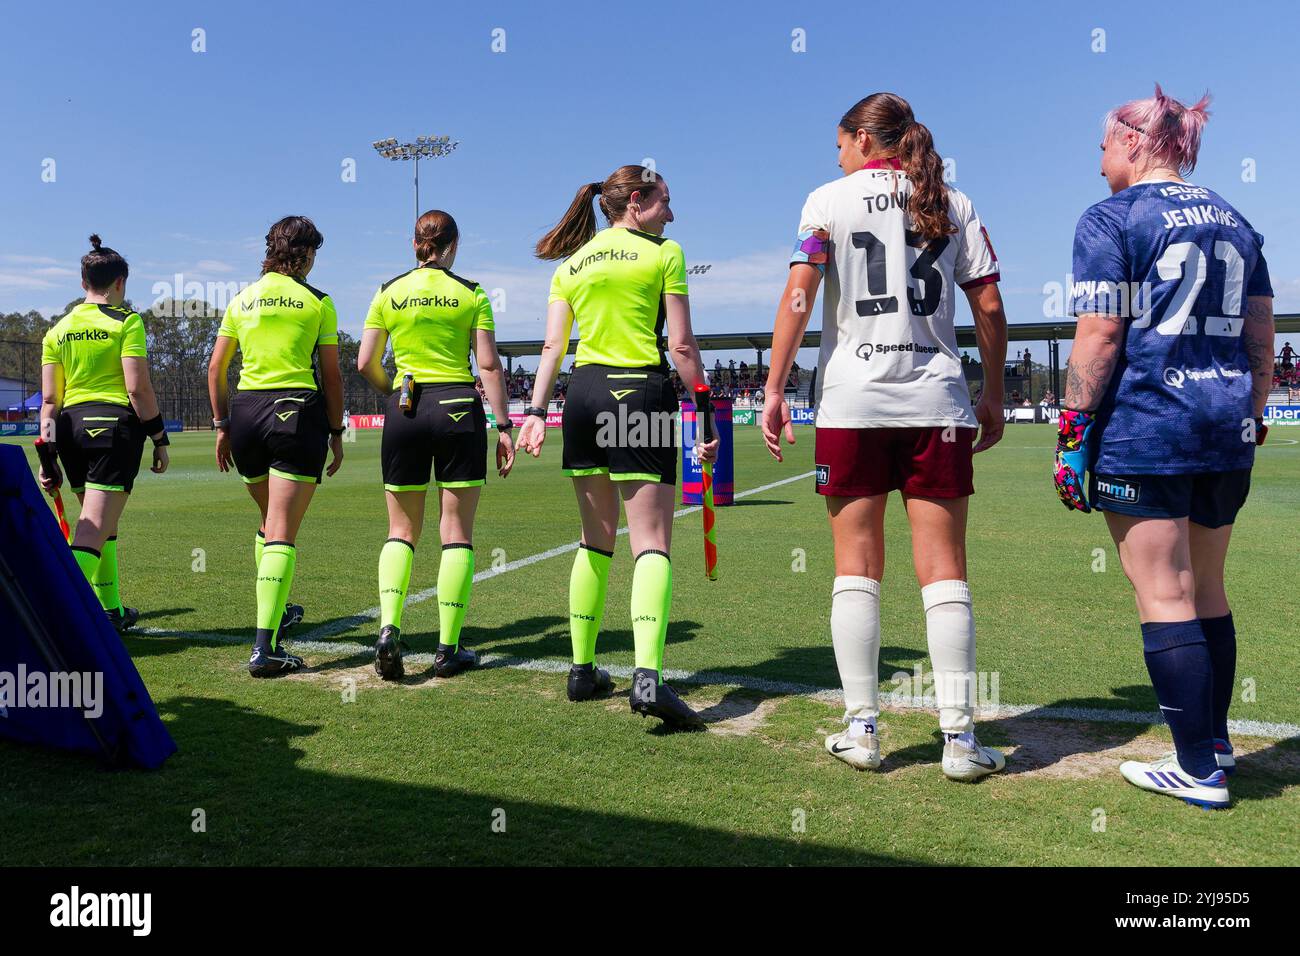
762	341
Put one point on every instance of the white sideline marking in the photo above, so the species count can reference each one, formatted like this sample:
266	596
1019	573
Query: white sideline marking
889	700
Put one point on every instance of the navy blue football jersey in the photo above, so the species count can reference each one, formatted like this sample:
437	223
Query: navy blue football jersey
1176	262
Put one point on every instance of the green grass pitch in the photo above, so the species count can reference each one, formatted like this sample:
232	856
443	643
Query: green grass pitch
495	766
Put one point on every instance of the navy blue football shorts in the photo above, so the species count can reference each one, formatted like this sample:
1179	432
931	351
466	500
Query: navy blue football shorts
1211	499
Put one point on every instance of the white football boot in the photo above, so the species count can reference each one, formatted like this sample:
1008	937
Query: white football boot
1167	777
963	762
861	752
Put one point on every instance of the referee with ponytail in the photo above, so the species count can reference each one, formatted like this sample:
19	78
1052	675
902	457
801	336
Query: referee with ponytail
97	406
625	286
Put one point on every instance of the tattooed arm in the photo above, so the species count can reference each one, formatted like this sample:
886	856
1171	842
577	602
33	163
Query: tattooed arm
1097	343
1257	336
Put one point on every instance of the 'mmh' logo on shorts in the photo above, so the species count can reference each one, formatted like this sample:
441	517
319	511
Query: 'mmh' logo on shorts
823	475
1118	490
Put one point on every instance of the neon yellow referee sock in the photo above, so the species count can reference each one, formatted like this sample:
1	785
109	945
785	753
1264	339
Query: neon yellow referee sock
274	577
105	580
455	578
588	583
88	560
395	560
652	596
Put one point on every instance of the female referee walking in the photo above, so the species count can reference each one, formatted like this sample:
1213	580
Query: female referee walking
276	427
433	425
893	406
1167	382
622	285
97	406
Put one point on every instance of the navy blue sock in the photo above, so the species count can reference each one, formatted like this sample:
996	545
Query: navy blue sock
1178	661
1221	639
263	640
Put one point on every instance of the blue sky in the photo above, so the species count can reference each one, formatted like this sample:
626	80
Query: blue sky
182	159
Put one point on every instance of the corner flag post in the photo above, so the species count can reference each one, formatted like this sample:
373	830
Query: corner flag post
50	465
706	431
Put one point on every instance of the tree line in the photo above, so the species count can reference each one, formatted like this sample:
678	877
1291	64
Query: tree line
180	336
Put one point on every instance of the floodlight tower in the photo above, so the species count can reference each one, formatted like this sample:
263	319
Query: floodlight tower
426	147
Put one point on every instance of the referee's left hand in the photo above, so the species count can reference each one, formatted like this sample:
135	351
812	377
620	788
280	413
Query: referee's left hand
505	453
707	451
336	451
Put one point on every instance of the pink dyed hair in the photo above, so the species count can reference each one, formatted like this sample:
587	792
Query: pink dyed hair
1171	131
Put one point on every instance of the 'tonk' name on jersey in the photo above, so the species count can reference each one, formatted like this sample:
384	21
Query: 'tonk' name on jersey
889	352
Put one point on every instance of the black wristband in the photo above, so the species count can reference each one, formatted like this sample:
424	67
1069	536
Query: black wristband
505	426
159	442
337	432
534	410
154	425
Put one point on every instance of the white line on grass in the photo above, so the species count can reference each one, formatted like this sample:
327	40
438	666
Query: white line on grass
889	700
310	643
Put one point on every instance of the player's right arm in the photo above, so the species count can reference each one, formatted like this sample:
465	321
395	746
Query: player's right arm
139	389
370	360
792	316
51	402
374	339
685	353
1257	335
559	325
223	352
991	334
1100	270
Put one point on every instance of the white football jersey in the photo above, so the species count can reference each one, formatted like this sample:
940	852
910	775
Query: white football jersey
889	354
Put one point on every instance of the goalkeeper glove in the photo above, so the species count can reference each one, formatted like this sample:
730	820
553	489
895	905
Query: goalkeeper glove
1073	429
1261	431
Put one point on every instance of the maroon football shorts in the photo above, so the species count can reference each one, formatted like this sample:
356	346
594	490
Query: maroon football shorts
859	462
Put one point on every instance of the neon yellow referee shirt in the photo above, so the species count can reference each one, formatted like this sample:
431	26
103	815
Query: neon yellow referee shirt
615	286
278	321
90	342
430	315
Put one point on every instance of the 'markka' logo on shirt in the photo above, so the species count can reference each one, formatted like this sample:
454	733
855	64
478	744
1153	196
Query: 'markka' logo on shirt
611	254
275	302
85	335
437	301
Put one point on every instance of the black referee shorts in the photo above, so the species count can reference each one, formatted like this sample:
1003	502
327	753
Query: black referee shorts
282	432
621	422
443	435
99	446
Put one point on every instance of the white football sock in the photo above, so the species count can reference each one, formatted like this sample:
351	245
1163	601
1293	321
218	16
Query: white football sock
861	725
855	632
950	631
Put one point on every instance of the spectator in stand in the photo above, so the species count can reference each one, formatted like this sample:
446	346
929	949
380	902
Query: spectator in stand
1027	361
1288	356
